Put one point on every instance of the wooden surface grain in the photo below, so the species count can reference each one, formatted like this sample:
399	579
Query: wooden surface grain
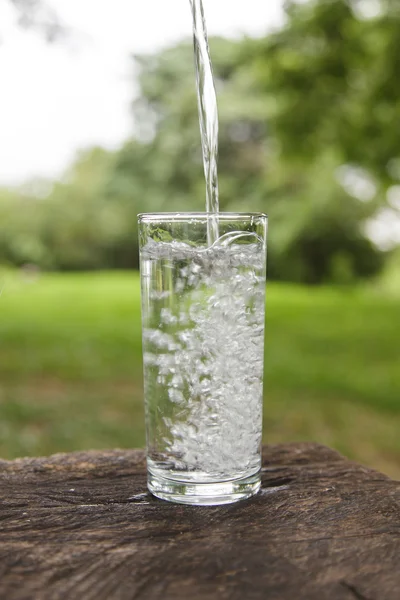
82	526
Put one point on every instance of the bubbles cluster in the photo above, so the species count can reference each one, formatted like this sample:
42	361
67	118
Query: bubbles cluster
203	354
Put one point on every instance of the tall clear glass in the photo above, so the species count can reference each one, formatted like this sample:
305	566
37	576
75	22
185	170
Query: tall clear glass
203	312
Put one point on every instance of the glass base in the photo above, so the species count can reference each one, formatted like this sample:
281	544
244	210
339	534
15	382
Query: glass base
204	494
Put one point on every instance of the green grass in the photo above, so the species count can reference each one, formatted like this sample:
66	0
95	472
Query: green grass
70	367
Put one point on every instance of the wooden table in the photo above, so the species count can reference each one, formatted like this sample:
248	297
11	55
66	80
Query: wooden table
82	526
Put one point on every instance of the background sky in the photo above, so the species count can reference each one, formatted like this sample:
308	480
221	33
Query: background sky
55	99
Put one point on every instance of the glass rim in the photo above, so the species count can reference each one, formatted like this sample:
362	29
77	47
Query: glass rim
184	216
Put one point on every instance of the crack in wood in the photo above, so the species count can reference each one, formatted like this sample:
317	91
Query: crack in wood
354	591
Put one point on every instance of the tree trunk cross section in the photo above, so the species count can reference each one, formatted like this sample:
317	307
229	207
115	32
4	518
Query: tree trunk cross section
82	526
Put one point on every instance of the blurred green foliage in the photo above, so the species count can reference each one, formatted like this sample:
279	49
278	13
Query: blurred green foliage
39	16
306	134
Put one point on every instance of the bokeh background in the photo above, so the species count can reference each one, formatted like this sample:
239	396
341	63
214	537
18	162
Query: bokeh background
98	122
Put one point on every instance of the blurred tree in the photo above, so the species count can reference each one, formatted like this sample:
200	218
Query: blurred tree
20	230
317	226
79	228
36	14
333	72
166	114
306	134
70	227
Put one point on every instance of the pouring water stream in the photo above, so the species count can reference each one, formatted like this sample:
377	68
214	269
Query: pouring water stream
208	116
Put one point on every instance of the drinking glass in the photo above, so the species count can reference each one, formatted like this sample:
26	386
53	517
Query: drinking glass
203	312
